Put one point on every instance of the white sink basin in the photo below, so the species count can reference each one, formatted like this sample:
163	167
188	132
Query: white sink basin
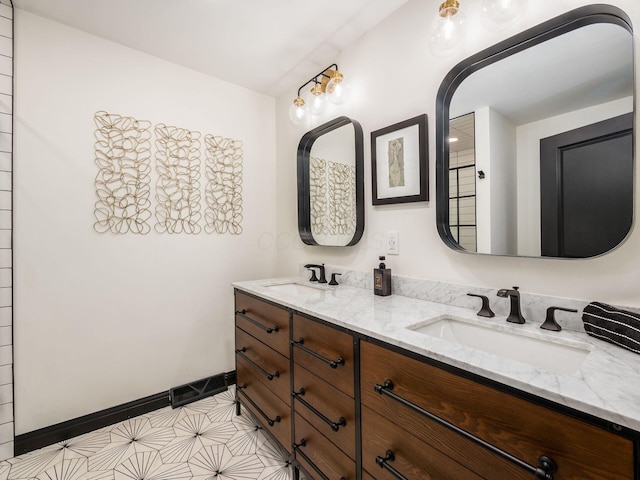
294	288
562	356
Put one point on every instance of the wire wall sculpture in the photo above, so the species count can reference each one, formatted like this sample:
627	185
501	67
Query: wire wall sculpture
318	196
342	199
332	197
223	192
178	184
123	157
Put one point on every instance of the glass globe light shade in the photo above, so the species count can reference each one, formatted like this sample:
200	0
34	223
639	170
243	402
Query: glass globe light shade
317	100
337	89
447	32
502	11
298	112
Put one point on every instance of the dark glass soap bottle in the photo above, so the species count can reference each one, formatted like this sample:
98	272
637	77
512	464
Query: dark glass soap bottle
382	279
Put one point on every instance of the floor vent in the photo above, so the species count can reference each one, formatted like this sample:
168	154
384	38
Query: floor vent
200	389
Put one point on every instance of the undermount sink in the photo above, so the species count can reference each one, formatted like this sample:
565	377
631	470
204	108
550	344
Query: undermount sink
562	357
294	288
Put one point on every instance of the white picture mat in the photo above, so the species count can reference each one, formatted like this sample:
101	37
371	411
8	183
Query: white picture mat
411	149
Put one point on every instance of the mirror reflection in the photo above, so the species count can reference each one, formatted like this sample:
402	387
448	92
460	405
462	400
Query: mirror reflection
538	150
330	163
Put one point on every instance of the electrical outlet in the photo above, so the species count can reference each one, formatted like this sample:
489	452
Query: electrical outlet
393	243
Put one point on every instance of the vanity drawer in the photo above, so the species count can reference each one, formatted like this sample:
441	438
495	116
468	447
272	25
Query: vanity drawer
273	413
319	452
264	321
520	427
412	458
270	368
330	405
325	351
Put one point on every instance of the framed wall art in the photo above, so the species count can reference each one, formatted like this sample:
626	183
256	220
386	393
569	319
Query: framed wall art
400	162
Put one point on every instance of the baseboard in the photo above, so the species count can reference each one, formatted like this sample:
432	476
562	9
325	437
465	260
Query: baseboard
30	441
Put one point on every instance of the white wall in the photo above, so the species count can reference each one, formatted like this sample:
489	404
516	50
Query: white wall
103	319
394	77
528	147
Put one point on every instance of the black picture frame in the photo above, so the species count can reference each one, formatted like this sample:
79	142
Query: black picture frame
407	170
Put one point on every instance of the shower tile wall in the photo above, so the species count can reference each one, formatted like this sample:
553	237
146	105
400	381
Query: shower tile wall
6	290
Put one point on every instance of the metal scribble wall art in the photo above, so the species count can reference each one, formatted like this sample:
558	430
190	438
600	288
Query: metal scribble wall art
223	192
178	184
332	197
123	184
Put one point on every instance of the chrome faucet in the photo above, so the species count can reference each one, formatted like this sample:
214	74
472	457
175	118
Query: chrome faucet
323	278
515	315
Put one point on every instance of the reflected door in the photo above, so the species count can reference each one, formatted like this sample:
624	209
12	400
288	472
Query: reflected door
586	189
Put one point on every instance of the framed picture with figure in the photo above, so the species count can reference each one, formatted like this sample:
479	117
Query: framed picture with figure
400	162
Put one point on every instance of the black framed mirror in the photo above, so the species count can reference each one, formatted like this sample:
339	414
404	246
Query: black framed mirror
331	184
534	141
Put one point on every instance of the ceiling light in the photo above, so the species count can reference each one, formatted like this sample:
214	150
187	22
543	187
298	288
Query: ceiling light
453	139
502	11
328	86
447	31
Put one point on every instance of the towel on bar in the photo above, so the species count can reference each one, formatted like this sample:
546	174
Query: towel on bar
612	325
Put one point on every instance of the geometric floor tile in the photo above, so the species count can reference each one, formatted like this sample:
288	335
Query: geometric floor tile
203	440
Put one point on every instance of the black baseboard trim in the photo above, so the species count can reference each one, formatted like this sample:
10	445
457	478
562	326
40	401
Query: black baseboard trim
59	432
205	387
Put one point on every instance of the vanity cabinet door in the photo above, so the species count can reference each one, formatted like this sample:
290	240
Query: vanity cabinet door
324	351
267	407
322	404
317	454
520	427
411	457
264	321
271	368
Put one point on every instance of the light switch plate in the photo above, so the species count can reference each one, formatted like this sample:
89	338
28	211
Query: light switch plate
393	243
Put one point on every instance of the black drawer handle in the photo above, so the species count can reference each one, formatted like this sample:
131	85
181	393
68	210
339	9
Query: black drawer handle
303	443
335	426
546	466
383	462
332	363
243	313
259	410
270	376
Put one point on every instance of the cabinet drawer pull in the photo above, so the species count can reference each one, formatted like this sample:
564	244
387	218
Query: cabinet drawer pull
335	426
259	410
303	443
269	376
546	466
243	313
383	462
332	363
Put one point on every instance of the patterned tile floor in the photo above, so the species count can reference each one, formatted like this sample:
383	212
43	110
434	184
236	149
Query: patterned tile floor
203	440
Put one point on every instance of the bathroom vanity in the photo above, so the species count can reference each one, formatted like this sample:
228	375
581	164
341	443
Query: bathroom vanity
352	388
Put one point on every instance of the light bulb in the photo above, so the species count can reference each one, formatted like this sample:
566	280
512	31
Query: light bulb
501	12
337	89
317	100
298	111
447	31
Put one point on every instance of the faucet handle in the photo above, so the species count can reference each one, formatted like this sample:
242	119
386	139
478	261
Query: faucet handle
550	322
333	280
485	310
313	275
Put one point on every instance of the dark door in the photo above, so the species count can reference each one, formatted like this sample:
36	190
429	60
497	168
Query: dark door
586	188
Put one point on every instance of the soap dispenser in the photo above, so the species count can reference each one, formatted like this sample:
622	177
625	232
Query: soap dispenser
382	279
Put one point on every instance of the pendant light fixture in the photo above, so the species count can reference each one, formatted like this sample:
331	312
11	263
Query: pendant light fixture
502	12
329	86
447	31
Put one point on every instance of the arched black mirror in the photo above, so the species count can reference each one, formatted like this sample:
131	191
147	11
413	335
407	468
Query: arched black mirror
331	184
534	140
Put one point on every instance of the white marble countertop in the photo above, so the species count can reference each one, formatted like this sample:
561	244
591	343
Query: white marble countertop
606	385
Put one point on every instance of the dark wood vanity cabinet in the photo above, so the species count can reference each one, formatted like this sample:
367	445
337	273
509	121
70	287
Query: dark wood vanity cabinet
263	364
521	428
323	399
348	407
